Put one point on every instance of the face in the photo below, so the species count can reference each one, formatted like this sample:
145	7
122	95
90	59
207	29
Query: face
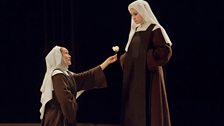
65	55
136	16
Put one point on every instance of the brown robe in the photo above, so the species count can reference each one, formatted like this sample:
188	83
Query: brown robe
62	109
144	95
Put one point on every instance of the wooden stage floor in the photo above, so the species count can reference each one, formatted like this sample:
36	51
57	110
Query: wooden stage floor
37	124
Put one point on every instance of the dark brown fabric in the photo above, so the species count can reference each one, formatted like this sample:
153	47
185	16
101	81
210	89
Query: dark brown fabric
61	110
144	94
122	60
94	78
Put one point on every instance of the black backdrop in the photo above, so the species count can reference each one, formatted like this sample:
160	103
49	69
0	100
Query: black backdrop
30	28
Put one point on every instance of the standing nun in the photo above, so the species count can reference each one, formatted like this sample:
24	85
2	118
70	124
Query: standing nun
148	49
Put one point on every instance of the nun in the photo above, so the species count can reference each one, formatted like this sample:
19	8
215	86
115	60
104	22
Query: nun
148	50
60	86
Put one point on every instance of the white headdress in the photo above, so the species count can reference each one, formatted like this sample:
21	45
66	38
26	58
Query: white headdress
143	8
53	60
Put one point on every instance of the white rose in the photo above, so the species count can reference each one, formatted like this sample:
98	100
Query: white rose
115	49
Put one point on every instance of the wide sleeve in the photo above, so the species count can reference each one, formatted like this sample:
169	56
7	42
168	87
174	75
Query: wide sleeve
90	79
160	52
65	97
122	58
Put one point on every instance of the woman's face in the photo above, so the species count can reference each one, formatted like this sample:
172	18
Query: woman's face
65	55
136	16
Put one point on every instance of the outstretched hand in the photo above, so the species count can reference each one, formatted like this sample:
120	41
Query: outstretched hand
111	59
108	61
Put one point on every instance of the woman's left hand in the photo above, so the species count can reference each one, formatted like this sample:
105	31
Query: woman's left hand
108	61
112	59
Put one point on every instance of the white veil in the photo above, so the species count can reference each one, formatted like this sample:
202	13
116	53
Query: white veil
143	8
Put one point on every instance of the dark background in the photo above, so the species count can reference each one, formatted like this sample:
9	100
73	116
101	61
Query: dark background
29	29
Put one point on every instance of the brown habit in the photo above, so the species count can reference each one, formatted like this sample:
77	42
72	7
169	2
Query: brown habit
144	94
61	110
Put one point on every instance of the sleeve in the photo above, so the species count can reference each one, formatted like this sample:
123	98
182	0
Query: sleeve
90	79
122	58
160	53
65	97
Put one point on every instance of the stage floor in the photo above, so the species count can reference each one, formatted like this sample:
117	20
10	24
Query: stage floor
37	124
